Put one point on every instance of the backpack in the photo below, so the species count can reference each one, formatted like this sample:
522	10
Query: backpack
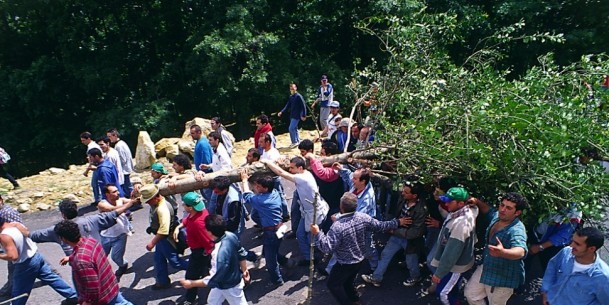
4	156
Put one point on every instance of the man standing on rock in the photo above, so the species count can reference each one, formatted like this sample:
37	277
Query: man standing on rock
325	95
126	158
29	265
105	170
298	111
87	140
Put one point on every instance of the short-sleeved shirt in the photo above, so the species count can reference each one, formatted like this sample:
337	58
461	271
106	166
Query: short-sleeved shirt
501	272
272	155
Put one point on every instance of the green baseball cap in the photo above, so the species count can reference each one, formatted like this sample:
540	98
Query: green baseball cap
159	168
193	200
455	193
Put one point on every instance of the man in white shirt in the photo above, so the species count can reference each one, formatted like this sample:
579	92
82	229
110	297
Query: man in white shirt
126	158
114	239
220	159
310	201
269	152
112	155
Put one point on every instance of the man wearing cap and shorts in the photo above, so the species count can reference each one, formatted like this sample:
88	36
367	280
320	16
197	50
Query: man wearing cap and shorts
455	249
325	94
161	219
197	239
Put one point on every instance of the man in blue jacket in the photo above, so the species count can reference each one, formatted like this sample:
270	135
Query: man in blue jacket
298	111
577	275
228	266
105	170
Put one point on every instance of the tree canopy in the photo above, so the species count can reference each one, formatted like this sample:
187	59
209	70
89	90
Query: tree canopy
493	92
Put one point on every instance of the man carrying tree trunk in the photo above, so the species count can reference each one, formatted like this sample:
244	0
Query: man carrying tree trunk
309	201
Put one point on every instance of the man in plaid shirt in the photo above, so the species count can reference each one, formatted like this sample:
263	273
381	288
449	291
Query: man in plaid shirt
95	282
506	246
347	240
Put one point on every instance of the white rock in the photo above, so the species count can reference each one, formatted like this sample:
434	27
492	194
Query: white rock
205	127
24	201
24	207
38	195
72	198
144	153
43	206
56	171
187	147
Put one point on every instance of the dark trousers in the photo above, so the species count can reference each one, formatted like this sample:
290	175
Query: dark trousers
4	174
198	267
341	283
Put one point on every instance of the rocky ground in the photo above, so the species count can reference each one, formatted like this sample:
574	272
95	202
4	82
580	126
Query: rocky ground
45	190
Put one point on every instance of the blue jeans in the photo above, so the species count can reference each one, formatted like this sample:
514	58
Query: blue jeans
284	203
270	250
432	234
35	267
395	244
127	186
117	246
95	186
293	129
295	211
119	300
164	253
304	240
371	254
206	193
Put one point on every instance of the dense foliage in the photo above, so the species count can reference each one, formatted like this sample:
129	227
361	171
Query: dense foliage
470	88
493	131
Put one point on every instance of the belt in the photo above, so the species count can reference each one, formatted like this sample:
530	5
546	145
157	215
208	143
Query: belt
272	228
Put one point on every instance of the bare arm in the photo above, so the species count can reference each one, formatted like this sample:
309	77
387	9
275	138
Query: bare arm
10	251
277	170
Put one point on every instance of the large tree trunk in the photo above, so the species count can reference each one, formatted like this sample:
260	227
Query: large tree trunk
257	168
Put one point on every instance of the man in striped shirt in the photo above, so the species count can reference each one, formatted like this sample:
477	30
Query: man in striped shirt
93	277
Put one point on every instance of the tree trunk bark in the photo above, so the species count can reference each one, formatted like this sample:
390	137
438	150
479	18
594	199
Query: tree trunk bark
257	168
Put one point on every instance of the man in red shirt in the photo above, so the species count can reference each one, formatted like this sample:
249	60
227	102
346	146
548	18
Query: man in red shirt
93	277
197	239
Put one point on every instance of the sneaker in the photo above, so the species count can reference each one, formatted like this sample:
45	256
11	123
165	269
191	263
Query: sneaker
369	279
411	282
121	270
294	145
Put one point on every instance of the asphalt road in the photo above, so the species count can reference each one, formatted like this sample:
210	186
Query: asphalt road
135	285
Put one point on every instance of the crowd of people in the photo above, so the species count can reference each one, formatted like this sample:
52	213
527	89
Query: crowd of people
346	222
